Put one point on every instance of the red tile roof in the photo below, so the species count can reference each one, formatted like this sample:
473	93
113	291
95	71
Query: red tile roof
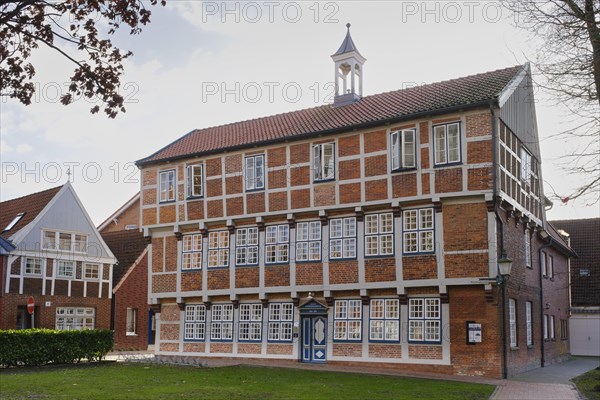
584	235
470	91
127	246
31	205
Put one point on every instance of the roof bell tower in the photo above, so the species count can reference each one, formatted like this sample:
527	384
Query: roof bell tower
348	72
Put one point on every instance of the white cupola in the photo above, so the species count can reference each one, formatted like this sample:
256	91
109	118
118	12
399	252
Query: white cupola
348	72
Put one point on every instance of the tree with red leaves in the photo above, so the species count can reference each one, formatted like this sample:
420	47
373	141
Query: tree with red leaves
78	30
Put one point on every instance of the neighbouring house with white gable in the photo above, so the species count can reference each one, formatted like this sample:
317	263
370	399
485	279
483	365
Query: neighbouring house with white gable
52	251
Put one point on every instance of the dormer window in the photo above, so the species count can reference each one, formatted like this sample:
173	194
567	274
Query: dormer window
13	222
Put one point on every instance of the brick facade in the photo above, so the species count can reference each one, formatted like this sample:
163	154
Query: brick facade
446	258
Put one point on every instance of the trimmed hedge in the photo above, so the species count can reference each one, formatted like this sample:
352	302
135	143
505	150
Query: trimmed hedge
31	347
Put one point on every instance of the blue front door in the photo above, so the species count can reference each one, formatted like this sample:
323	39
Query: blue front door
314	339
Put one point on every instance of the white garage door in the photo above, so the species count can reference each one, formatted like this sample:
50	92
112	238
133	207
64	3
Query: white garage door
585	335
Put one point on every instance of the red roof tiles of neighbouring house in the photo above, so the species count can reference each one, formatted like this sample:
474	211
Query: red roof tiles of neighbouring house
127	246
584	235
30	205
435	98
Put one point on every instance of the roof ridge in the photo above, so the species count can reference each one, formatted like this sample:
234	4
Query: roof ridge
325	117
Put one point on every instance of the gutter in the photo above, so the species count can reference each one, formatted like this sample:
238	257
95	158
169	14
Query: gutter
364	125
540	250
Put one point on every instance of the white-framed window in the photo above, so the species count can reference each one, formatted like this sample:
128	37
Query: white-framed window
418	231
308	241
552	327
277	244
403	143
424	320
281	319
246	246
80	243
254	167
131	322
446	143
221	328
91	271
512	322
250	324
543	261
194	326
33	266
218	249
195	181
65	269
347	320
527	244
550	266
379	234
49	240
545	327
529	323
75	318
342	238
64	241
166	185
323	161
525	166
191	254
384	324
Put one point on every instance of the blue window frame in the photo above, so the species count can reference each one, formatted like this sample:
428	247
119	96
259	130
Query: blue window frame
250	323
347	321
342	238
308	241
281	320
194	181
191	255
379	235
254	167
221	328
446	143
194	326
384	320
167	186
246	246
218	249
277	244
418	231
403	145
424	320
323	162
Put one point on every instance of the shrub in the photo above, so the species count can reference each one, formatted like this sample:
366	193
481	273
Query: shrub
30	347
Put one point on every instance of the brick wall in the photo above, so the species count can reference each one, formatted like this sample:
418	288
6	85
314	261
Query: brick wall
132	293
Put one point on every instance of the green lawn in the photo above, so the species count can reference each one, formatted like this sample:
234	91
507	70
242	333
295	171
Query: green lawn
152	381
589	384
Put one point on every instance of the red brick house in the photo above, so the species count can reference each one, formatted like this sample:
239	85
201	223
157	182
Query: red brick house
584	322
52	251
131	317
367	231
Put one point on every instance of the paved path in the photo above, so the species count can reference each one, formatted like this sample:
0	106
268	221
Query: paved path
550	383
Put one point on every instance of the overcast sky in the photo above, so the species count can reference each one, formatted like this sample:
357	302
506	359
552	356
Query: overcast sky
200	64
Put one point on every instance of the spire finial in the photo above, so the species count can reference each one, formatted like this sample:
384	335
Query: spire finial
348	25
